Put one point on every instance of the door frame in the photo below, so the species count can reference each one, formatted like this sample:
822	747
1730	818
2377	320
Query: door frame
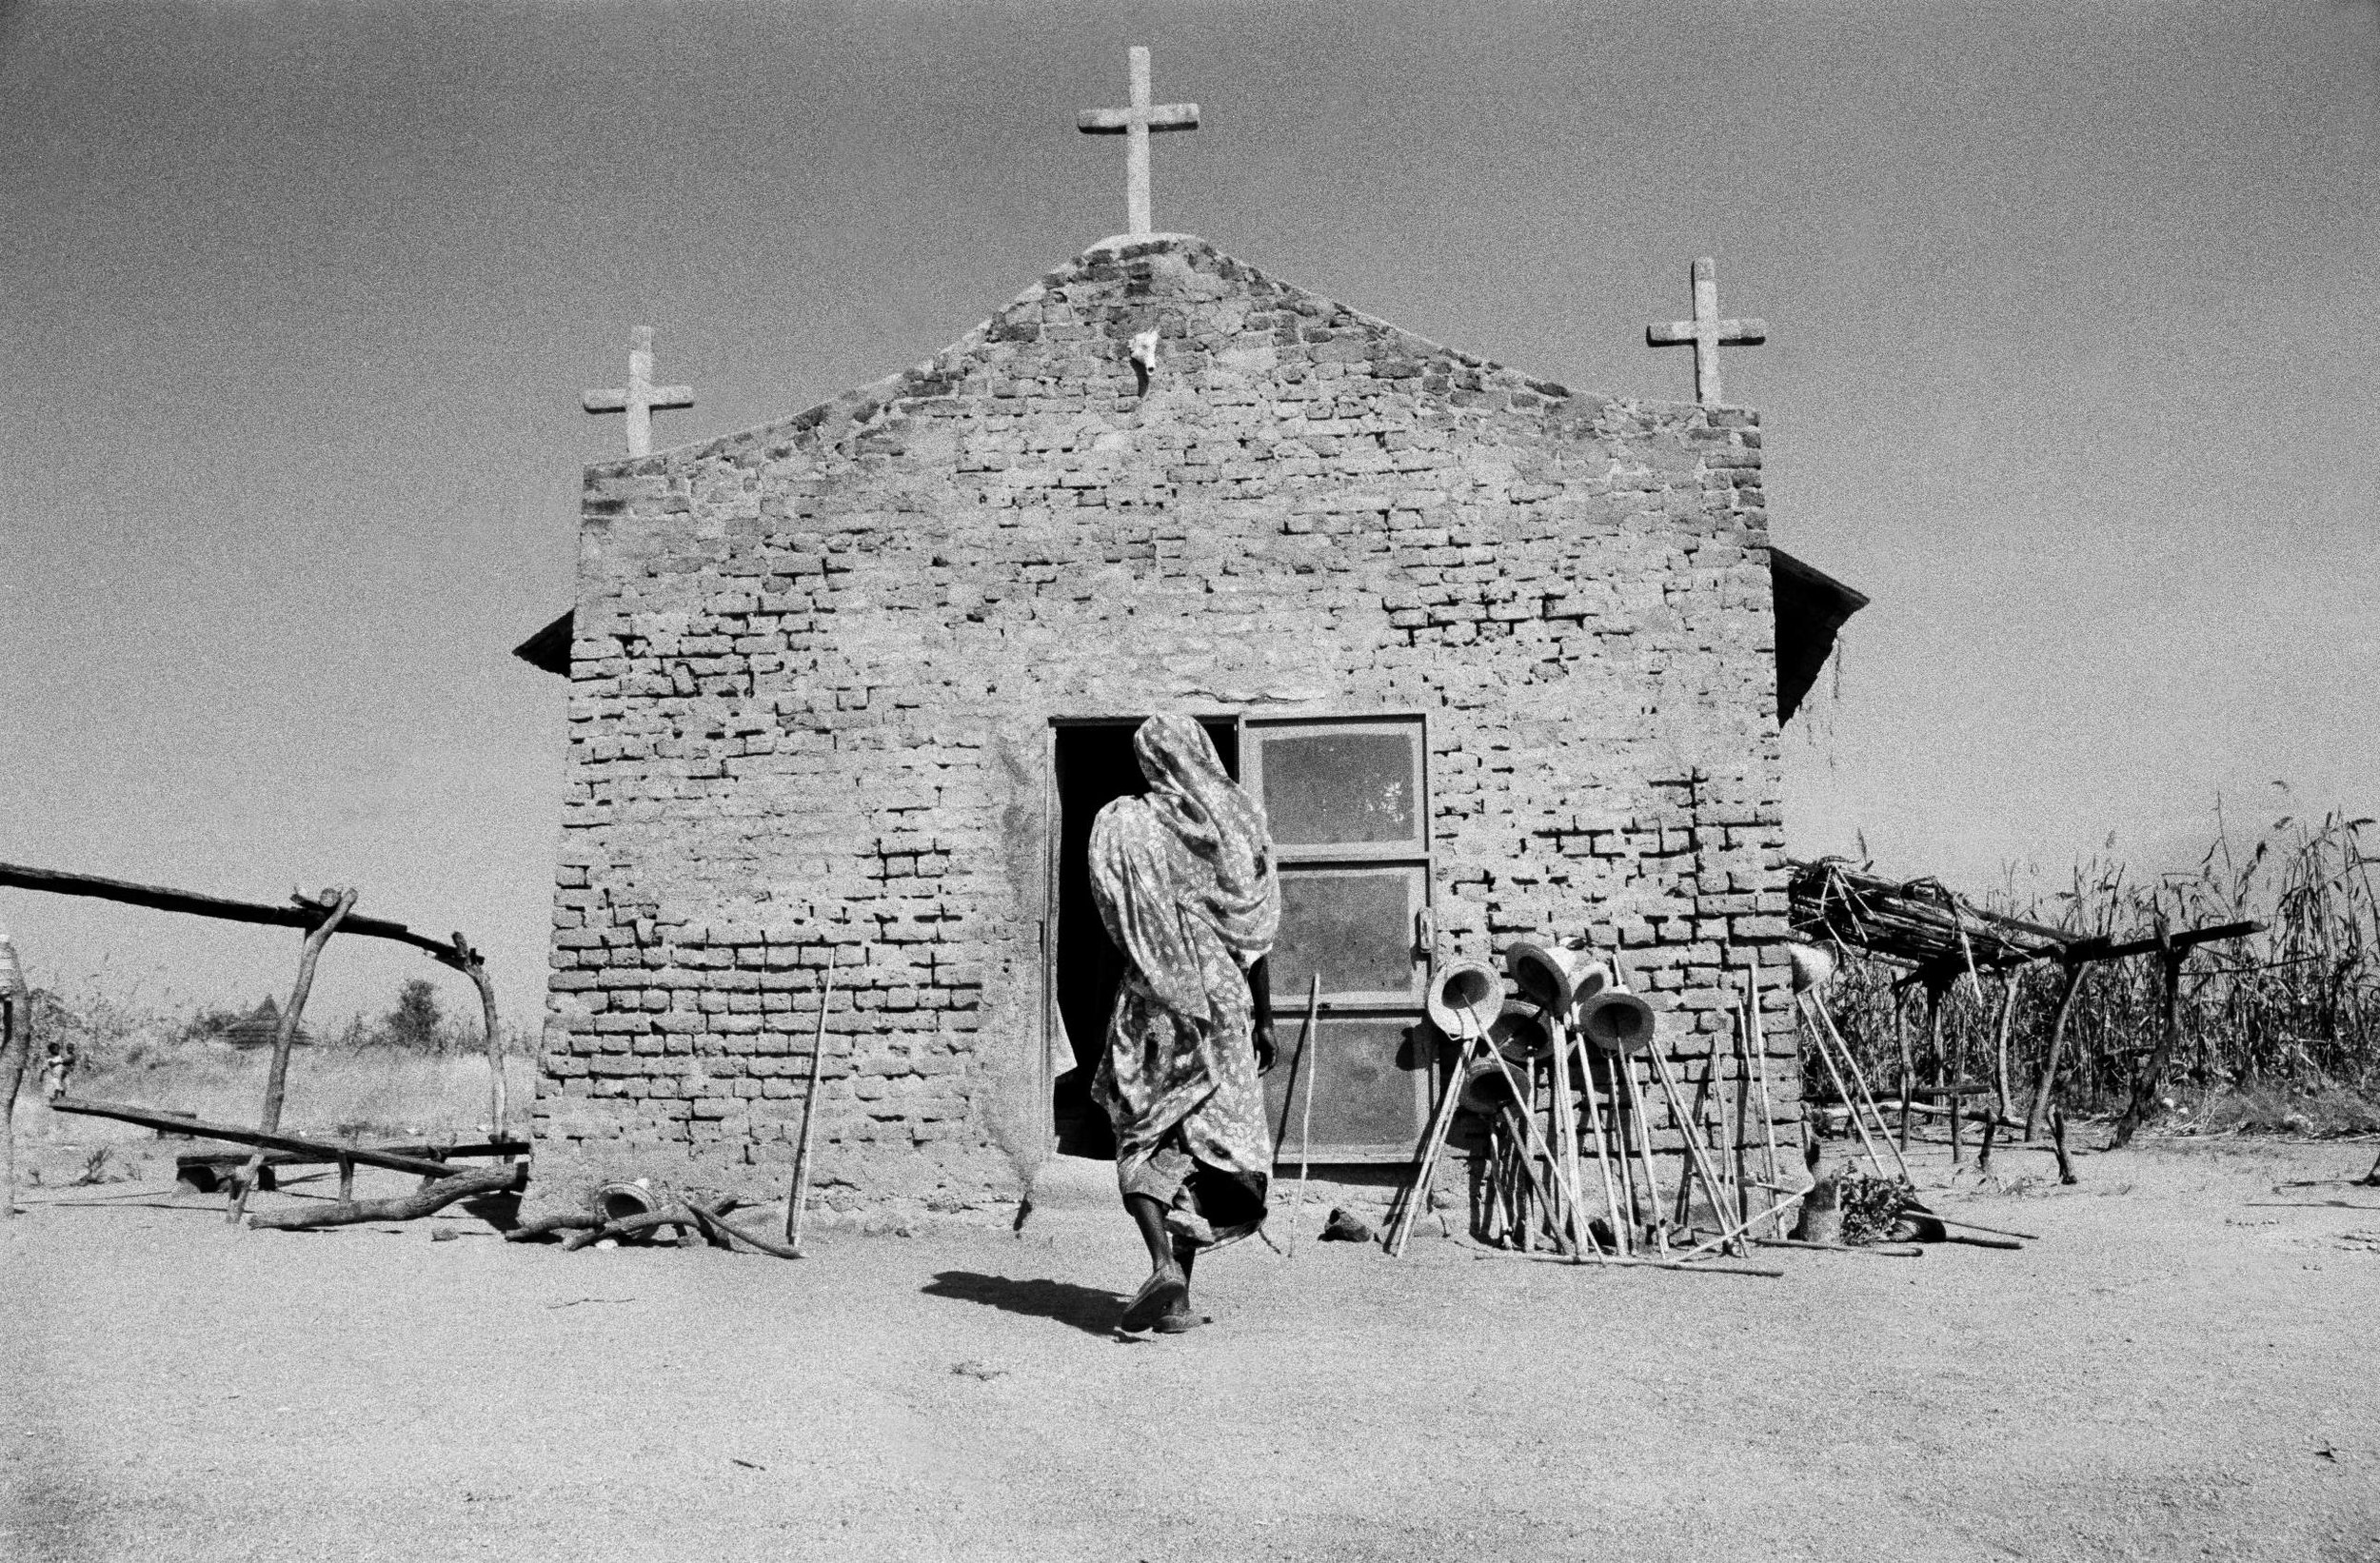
1373	857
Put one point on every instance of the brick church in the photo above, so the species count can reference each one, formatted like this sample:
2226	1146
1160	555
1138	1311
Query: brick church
845	690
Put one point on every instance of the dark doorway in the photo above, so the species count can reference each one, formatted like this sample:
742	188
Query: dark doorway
1095	767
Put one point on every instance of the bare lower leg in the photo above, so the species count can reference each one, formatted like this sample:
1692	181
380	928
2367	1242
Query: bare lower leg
1150	1217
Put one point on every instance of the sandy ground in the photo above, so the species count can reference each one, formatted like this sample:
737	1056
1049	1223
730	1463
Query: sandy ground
2181	1368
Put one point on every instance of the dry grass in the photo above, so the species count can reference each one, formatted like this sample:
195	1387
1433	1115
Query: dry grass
2280	1030
150	1053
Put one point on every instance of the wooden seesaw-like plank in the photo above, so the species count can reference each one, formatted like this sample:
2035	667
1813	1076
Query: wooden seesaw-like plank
362	1155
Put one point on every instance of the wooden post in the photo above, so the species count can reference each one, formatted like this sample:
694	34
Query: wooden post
2010	980
2150	1077
2057	1143
798	1197
1938	989
1739	1034
1305	1068
2075	972
1759	1044
468	960
334	905
1908	1067
16	1051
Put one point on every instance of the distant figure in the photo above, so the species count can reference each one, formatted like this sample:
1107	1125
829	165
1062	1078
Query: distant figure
1183	878
57	1061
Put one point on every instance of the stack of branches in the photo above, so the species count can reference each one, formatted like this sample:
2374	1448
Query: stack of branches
1916	923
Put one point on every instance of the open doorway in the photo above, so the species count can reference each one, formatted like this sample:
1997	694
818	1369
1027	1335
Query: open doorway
1095	767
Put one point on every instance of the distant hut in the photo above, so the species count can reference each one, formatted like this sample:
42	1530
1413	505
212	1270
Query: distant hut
261	1026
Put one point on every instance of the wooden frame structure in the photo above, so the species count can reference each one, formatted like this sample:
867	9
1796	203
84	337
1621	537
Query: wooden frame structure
1940	936
319	917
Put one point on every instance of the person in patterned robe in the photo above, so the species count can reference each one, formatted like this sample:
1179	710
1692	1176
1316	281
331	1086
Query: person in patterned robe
1184	881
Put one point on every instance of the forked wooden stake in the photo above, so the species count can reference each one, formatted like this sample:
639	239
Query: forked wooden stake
335	905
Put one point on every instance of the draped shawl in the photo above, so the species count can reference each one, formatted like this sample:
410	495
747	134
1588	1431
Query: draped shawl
1185	885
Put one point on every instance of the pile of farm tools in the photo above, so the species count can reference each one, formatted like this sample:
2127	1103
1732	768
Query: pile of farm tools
1559	1064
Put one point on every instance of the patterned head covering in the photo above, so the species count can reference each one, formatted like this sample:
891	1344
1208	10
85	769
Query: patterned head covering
1232	886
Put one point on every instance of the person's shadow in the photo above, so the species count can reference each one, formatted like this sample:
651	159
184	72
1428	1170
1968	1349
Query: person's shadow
1086	1308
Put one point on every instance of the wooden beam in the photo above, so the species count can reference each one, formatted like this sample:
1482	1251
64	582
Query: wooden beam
148	1117
424	1202
301	914
2100	948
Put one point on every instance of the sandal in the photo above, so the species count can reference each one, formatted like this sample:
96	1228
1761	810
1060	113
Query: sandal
1159	1296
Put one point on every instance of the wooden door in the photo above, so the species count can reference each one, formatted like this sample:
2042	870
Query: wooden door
1348	801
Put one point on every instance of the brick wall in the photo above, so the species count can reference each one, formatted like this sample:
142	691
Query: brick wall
817	663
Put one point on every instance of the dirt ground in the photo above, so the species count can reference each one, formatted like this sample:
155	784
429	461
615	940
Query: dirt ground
2181	1368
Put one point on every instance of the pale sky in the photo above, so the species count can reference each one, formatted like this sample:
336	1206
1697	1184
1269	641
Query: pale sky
2071	313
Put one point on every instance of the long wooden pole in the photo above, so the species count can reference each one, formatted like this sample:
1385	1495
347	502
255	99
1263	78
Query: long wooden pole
1418	1193
1566	1135
303	915
1761	1060
424	1202
1305	1127
335	905
1859	1079
1651	1191
798	1197
1535	1145
1621	1222
1694	1140
2057	1045
16	1049
1843	1089
2011	981
1909	1071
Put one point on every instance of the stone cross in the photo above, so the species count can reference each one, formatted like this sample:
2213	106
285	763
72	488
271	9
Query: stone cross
640	396
1707	332
1134	125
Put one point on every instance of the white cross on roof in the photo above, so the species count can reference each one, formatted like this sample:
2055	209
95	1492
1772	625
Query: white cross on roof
1134	123
639	396
1707	332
